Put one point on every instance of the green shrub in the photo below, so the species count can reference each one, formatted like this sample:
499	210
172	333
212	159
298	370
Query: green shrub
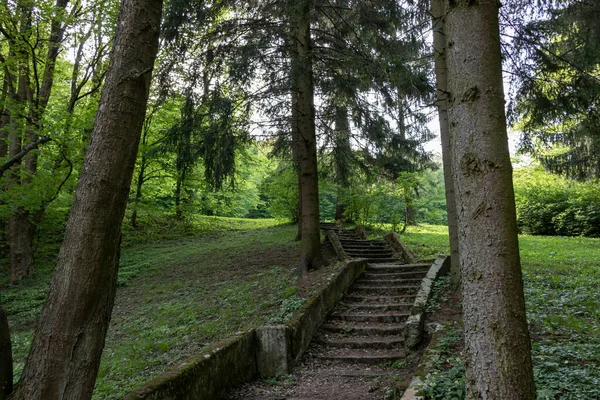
551	205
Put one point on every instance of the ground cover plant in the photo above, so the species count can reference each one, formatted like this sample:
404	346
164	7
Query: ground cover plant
210	278
561	276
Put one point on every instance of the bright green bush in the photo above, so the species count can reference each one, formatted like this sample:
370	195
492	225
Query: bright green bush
551	205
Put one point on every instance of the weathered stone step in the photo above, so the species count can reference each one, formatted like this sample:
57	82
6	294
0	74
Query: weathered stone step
374	256
379	308
386	282
365	248
390	260
363	328
374	299
397	268
362	356
371	253
370	250
360	342
363	242
370	276
369	317
384	290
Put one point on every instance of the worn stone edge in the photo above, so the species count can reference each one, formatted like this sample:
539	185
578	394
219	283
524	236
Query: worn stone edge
305	322
413	331
395	243
426	364
337	245
206	375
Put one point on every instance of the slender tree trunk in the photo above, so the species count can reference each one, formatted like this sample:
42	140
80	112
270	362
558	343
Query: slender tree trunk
138	191
341	157
178	188
441	78
496	336
19	227
6	364
410	209
296	159
66	349
304	117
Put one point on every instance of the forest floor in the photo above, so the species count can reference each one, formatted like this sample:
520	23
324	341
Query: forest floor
562	280
209	279
183	286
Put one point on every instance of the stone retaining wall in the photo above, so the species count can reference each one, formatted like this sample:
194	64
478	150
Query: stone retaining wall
266	351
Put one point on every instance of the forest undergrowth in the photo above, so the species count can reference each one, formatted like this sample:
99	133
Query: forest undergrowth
562	277
183	285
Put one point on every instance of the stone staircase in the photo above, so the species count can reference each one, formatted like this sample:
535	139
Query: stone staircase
367	325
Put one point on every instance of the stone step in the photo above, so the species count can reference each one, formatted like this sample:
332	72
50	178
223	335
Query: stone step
383	290
363	242
378	308
390	260
360	342
381	299
386	282
388	317
374	256
362	356
359	247
370	276
371	251
396	268
363	328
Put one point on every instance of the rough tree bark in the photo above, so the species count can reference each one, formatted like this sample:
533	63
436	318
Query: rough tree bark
303	117
441	79
341	156
496	336
6	364
295	158
66	349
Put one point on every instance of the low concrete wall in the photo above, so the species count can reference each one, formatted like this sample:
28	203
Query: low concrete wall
426	365
266	352
281	347
206	376
413	331
332	237
394	241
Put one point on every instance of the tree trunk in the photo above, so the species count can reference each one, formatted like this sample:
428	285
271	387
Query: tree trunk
409	209
66	349
19	227
303	116
341	156
6	364
496	336
296	159
138	191
441	78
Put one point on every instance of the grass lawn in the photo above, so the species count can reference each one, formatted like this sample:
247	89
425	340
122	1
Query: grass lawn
210	279
562	291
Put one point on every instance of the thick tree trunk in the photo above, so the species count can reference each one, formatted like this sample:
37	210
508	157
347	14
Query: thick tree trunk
303	116
441	79
6	364
66	349
496	336
341	157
